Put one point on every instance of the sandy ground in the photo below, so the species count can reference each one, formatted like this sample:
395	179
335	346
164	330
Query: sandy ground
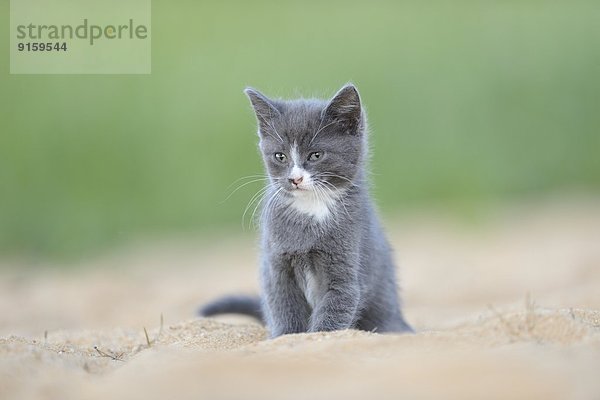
505	308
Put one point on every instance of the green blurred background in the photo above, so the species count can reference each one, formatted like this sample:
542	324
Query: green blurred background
470	103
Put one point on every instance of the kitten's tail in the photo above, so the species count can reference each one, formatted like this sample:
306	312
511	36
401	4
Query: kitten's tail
238	304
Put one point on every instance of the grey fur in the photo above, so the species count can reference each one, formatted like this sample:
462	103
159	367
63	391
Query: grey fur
331	271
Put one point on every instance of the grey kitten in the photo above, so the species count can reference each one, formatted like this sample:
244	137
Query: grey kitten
326	264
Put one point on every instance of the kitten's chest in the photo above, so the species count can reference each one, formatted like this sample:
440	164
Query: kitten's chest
289	233
312	286
310	277
313	208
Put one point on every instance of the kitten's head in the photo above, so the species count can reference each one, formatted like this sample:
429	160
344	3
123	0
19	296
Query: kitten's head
311	146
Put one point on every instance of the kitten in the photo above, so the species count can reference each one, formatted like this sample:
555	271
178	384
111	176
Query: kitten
326	264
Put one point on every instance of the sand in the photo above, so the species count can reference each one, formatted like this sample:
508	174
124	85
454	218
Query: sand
505	307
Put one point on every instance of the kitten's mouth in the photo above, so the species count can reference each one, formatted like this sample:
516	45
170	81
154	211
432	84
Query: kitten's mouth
299	189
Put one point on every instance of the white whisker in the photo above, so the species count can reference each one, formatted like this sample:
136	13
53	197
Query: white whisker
241	186
332	175
247	177
269	122
258	196
332	189
270	204
324	198
320	129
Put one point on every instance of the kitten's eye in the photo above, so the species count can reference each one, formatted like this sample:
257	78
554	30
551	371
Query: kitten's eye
315	156
280	157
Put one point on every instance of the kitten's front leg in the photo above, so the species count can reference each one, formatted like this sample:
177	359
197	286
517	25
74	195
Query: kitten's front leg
338	306
286	308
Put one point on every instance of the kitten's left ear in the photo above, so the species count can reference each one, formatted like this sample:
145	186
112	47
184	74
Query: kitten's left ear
345	107
264	108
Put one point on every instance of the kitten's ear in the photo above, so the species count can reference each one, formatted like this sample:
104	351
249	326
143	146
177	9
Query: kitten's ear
264	108
345	107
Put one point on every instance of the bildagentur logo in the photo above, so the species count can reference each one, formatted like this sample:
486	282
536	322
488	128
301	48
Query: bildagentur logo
81	37
85	31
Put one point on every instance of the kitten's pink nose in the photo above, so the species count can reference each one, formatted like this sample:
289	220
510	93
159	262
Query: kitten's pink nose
296	181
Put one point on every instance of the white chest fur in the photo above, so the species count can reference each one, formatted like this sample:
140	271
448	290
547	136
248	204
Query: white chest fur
312	289
318	207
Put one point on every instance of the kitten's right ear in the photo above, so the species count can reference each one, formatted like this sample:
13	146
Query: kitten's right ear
345	108
264	108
